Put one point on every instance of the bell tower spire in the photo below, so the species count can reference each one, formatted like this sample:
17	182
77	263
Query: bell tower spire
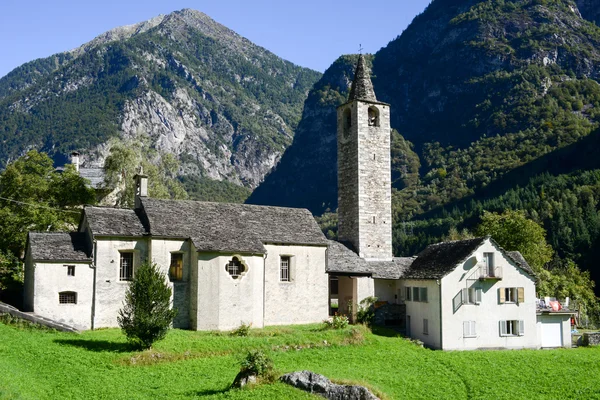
364	170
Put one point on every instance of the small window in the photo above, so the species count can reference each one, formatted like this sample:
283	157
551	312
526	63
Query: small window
284	264
347	122
511	295
512	328
126	266
70	270
373	115
67	298
472	295
469	330
235	268
425	326
416	294
334	285
176	268
407	291
423	294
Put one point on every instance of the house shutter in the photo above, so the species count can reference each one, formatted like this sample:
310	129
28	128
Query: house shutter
407	296
424	294
465	296
501	294
502	328
478	294
521	328
457	301
521	295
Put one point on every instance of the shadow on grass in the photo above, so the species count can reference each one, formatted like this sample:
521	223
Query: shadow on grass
385	331
207	392
97	345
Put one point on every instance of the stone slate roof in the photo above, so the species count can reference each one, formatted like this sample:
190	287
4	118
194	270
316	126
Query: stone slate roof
94	175
105	221
362	87
226	227
520	261
437	260
58	246
342	260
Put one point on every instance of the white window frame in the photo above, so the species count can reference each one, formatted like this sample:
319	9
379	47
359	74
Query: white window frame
126	277
469	329
472	295
512	328
285	268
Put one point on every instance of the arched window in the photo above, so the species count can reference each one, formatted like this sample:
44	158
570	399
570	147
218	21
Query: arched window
236	268
347	123
373	116
67	298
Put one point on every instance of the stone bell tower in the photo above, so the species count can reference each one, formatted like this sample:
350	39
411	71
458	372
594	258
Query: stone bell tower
364	170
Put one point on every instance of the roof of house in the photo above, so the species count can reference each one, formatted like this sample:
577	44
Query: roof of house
342	260
106	221
58	246
437	260
226	227
94	175
520	261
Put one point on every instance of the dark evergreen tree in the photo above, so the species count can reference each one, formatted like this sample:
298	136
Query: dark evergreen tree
147	315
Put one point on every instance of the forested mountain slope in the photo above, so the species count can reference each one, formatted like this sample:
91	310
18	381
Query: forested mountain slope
190	86
482	92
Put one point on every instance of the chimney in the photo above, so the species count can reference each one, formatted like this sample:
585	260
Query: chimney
75	160
141	188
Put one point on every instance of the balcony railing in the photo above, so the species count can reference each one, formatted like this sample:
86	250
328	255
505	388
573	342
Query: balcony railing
487	273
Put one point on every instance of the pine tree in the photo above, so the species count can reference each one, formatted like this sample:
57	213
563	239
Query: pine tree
146	315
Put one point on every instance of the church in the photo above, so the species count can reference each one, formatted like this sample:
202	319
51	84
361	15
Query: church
233	264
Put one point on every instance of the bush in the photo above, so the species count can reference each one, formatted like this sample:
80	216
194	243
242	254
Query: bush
242	330
146	314
338	321
366	311
257	362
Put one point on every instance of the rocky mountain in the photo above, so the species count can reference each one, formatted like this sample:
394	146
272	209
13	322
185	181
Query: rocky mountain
224	106
590	10
486	95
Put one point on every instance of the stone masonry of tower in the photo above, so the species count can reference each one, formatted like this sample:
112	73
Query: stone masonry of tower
364	170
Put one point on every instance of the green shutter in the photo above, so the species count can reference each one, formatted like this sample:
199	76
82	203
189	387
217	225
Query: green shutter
424	295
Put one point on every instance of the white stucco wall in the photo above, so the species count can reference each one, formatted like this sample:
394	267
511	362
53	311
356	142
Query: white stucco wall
304	299
110	292
387	290
160	252
222	302
50	278
419	310
489	312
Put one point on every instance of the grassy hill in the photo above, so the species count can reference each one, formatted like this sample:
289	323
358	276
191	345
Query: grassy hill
98	364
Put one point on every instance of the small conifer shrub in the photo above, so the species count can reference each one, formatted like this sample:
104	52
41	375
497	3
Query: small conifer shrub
146	314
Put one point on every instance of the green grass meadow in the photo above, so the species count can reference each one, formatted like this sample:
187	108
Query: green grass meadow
37	364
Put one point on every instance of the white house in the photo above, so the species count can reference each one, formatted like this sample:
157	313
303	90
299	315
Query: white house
227	264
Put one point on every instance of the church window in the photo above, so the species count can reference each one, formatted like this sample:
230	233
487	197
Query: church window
67	298
126	266
284	269
70	270
373	116
235	268
347	121
176	268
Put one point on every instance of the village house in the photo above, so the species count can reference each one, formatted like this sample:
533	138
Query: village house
230	264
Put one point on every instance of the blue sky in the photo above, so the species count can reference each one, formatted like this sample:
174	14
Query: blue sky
310	33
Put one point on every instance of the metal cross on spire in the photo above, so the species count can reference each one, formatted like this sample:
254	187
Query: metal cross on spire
360	48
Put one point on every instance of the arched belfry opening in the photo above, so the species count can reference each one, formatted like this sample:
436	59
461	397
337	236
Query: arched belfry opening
347	121
373	116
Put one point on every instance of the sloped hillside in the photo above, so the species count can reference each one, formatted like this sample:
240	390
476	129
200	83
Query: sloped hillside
188	85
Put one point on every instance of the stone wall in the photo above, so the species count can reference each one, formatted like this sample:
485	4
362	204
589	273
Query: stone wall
364	180
591	339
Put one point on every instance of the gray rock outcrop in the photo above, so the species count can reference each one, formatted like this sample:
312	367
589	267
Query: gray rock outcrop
319	384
